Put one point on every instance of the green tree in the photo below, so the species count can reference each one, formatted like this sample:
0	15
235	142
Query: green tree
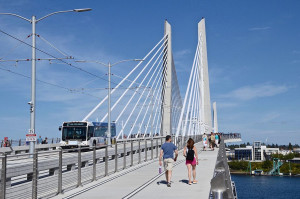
267	165
290	147
242	145
289	156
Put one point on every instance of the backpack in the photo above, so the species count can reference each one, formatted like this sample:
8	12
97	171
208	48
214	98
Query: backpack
190	154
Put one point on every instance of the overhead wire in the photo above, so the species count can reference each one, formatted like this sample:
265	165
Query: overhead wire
46	53
50	44
15	47
48	83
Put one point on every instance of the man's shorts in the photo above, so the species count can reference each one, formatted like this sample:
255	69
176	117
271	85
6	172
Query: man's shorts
168	164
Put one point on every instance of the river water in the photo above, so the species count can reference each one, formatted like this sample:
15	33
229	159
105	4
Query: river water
267	187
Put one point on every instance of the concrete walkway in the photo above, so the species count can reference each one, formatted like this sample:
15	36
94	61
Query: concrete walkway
143	181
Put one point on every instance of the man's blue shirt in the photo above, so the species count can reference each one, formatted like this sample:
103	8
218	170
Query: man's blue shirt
168	149
39	140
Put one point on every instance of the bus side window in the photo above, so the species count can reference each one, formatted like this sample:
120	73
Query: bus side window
99	131
90	132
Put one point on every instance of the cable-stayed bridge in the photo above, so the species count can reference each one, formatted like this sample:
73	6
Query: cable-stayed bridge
148	104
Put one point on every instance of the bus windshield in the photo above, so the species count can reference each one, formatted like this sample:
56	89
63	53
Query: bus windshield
74	133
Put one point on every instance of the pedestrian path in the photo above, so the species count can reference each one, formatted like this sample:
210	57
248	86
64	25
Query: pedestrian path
143	181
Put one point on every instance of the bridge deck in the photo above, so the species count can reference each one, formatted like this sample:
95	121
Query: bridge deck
143	181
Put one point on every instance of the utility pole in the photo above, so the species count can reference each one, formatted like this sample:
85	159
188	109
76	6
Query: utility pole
31	136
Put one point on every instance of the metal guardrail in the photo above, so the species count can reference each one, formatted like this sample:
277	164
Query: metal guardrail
25	149
221	184
227	136
22	142
49	173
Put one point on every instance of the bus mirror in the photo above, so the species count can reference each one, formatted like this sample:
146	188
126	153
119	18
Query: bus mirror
59	128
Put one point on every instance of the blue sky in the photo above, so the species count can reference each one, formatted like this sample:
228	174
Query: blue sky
253	57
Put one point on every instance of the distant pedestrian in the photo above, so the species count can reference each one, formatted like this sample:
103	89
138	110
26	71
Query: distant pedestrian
205	140
191	155
39	140
167	153
45	141
6	142
212	141
217	140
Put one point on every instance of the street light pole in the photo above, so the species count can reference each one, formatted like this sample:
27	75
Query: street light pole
109	108
33	85
33	21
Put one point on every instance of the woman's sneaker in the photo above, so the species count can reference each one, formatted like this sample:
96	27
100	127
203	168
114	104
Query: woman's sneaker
169	184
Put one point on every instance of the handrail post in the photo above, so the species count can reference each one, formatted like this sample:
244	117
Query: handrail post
145	150
60	171
124	160
106	161
139	151
151	148
131	154
180	142
35	175
79	168
156	148
94	163
3	177
116	156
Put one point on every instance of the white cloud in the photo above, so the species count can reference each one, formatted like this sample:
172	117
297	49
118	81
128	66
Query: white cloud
259	28
256	91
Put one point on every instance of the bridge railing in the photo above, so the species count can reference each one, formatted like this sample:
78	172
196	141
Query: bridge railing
22	142
221	184
228	136
48	173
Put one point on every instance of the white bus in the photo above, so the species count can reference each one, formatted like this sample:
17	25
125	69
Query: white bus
85	134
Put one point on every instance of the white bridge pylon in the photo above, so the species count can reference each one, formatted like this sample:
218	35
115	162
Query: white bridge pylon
147	101
195	117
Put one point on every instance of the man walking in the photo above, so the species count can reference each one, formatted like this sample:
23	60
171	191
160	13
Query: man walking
167	152
39	140
213	140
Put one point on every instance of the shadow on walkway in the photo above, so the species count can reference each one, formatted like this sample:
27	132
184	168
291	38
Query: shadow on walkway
184	181
162	182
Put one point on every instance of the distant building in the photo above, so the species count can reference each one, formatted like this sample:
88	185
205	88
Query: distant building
243	153
256	152
296	150
295	160
285	152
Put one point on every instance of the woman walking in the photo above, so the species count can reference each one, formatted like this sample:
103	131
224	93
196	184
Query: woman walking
190	152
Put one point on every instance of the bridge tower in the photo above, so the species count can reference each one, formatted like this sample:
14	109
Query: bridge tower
168	66
206	106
